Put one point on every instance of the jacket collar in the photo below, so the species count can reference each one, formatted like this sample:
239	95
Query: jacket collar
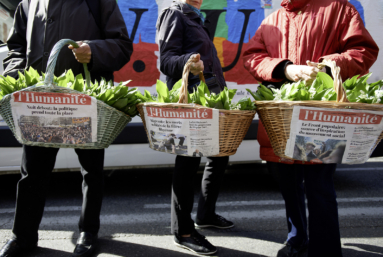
294	5
185	9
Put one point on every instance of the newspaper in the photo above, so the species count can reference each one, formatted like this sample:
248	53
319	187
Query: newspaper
59	118
333	135
2	122
182	131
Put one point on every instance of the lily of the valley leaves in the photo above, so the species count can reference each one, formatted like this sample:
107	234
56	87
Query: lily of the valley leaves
120	97
322	89
201	96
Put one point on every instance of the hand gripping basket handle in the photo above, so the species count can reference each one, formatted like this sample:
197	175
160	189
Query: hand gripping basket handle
338	83
185	77
53	59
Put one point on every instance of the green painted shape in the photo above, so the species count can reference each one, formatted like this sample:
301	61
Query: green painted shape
214	4
222	28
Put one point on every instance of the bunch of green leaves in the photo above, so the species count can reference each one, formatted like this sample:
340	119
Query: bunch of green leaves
243	104
9	85
201	95
223	100
163	93
358	90
322	89
120	97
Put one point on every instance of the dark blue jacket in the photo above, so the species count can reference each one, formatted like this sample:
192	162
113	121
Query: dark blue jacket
182	34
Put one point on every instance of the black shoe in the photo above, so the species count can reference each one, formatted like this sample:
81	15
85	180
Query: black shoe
216	222
85	246
195	243
13	249
291	251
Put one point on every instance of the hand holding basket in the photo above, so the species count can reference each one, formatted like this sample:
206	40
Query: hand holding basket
110	122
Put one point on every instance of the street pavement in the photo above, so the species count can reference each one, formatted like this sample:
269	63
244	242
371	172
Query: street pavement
135	219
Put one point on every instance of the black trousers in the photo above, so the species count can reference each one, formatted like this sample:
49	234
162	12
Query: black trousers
322	206
36	168
183	191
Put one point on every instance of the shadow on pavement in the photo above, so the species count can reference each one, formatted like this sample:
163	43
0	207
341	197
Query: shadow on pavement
118	248
372	250
226	252
45	252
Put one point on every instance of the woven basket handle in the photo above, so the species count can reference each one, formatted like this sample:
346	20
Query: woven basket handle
185	78
338	83
53	59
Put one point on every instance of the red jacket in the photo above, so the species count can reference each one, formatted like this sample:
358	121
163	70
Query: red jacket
309	30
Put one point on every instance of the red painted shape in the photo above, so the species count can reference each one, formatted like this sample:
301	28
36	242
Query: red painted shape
237	74
143	52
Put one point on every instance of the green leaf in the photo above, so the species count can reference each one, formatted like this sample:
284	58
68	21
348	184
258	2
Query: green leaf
326	80
329	94
303	94
350	83
364	78
256	96
232	93
108	95
78	83
226	102
125	83
205	88
120	104
163	91
201	94
177	85
28	78
318	97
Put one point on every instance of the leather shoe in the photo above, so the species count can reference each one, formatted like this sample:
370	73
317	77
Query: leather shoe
13	248
86	244
217	222
292	251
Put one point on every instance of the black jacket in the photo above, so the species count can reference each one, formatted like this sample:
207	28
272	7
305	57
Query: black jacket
38	26
181	34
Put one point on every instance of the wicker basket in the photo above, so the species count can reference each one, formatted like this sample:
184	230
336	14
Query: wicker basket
276	115
233	124
110	121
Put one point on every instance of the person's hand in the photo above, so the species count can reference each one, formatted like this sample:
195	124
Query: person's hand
301	72
83	53
315	64
197	65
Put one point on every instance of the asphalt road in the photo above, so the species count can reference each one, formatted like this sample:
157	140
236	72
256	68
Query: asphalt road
136	213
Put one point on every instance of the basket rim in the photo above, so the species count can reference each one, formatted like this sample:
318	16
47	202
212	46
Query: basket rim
194	106
326	104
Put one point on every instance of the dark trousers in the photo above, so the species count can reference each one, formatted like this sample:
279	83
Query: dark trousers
183	191
36	168
322	206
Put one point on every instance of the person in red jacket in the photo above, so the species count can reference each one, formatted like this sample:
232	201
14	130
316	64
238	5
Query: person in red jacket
287	47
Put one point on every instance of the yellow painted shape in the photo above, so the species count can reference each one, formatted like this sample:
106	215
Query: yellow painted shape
218	42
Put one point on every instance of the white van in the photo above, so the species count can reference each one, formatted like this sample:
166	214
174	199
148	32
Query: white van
231	27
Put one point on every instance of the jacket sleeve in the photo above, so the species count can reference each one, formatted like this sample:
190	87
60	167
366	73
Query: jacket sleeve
114	51
358	51
17	44
170	36
257	60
